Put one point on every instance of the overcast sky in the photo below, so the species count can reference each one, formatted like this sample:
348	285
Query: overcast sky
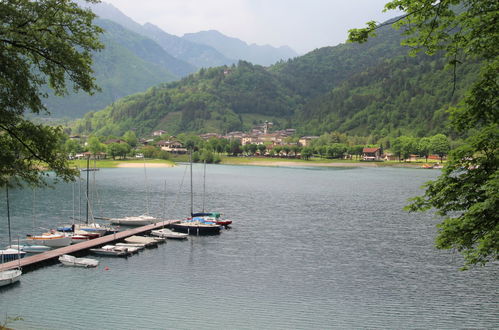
301	24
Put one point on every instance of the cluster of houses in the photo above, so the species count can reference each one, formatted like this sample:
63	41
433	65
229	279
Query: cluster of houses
258	135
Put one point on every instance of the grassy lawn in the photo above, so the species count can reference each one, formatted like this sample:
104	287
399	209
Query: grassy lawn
108	163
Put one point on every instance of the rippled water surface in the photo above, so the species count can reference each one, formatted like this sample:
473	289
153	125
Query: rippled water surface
309	249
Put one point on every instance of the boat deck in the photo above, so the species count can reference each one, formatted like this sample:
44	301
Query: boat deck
38	260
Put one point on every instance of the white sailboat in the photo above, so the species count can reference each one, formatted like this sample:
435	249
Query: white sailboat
13	275
53	238
141	220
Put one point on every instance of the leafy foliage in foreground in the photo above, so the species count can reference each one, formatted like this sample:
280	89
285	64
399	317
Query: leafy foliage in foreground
41	42
465	195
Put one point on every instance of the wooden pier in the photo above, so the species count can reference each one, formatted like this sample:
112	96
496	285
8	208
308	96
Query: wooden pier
38	260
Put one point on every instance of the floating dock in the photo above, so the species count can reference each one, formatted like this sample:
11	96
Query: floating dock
49	257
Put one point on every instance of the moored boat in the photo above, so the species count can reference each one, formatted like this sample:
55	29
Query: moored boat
147	241
167	233
51	239
30	248
9	276
196	226
68	260
213	217
140	220
110	250
11	254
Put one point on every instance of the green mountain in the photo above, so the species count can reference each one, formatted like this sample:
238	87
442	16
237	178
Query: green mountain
190	55
128	64
373	88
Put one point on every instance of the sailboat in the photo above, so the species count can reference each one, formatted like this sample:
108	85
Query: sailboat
141	220
13	275
91	228
196	225
52	239
213	217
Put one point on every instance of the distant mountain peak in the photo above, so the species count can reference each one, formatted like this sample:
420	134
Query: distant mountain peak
239	50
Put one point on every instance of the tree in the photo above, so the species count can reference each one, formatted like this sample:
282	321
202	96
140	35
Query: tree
95	146
131	138
252	148
424	147
41	42
404	146
113	150
439	144
306	153
72	147
465	195
261	149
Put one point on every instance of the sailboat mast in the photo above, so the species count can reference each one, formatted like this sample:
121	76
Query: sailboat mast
204	183
88	164
8	212
192	201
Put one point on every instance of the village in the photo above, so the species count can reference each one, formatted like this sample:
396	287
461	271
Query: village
260	141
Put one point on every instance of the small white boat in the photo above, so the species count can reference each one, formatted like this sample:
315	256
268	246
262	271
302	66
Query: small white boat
148	241
68	260
10	276
51	239
110	250
11	254
132	245
30	248
167	233
140	220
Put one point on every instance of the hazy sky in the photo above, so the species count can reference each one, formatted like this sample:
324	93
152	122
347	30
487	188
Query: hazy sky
301	24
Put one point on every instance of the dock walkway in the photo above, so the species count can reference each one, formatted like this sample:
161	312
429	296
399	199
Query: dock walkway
38	260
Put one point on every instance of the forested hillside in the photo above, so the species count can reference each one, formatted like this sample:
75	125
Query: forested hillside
373	88
128	64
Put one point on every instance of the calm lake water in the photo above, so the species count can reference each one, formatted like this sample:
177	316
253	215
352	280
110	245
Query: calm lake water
310	248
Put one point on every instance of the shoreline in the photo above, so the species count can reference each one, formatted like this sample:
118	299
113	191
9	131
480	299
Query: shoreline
322	164
149	165
268	163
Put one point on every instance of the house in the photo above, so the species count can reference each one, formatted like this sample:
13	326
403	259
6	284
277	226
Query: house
172	146
371	154
304	141
158	132
208	136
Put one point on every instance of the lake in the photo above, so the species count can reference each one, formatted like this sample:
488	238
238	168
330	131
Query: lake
310	248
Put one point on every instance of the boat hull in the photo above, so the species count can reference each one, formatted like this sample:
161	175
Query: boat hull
167	233
53	242
141	220
194	229
9	276
11	254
